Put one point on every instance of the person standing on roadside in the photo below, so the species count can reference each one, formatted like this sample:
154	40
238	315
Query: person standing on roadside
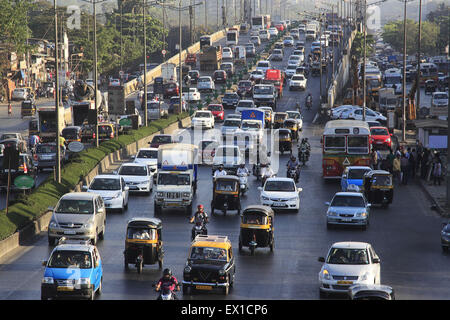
390	160
396	169
437	171
404	165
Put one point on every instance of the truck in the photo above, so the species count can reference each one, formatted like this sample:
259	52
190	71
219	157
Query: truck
275	77
47	124
387	99
252	130
191	59
83	115
265	95
177	177
210	58
311	31
232	37
169	71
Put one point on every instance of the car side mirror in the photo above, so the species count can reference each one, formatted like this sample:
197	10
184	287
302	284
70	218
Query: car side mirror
376	260
260	188
100	210
115	172
44	263
51	208
133	157
321	259
84	188
369	205
126	188
300	190
327	204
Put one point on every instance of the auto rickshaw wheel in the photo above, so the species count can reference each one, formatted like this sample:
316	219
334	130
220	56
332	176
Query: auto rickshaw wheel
157	209
252	251
99	290
271	246
212	207
160	263
126	264
240	245
139	267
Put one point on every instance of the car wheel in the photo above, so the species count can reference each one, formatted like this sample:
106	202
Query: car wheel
95	239
102	234
51	241
444	248
99	290
323	294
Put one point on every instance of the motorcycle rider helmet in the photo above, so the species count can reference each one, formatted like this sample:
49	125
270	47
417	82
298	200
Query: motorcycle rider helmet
242	165
200	207
292	158
167	273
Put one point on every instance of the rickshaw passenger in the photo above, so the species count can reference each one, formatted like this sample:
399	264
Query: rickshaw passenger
222	255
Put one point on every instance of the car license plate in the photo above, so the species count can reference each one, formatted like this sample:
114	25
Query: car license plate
379	142
64	289
203	287
346	219
278	204
107	205
70	232
345	282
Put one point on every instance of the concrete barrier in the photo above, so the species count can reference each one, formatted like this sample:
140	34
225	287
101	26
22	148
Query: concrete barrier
26	234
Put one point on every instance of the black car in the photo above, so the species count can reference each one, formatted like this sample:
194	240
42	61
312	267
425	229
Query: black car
45	155
230	100
26	168
210	265
245	88
445	236
194	74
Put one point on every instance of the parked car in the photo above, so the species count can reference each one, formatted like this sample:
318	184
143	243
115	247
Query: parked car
348	208
357	114
280	194
230	100
348	263
112	189
137	177
78	216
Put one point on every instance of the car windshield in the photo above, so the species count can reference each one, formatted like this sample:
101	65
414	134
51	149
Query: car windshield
357	173
232	123
230	96
251	125
70	133
440	96
297	77
204	80
280	116
75	206
293	115
141	233
279	186
148	154
105	184
133	170
291	67
277	51
215	107
257	72
202	115
245	104
262	65
162	139
207	253
348	256
8	136
254	218
379	132
171	179
70	259
245	84
45	148
263	90
347	201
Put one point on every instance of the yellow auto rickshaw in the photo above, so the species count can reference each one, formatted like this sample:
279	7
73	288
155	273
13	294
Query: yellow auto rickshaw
283	139
256	230
278	119
226	194
292	125
378	187
143	242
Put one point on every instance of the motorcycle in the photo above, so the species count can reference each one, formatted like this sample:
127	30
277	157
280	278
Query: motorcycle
243	182
257	171
264	176
198	228
308	103
293	173
165	293
303	154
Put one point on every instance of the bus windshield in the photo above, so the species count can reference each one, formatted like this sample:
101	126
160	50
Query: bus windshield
334	144
358	145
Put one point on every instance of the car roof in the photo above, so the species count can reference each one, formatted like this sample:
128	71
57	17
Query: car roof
74	247
350	245
147	149
378	127
214	241
107	176
79	196
133	164
351	194
358	167
280	179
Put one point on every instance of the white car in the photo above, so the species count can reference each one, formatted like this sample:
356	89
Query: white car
20	94
205	83
288	41
148	156
112	189
297	81
202	119
192	96
280	193
348	208
290	70
273	31
263	65
347	264
244	105
357	114
264	35
256	40
294	60
257	75
337	111
137	177
230	126
439	99
227	53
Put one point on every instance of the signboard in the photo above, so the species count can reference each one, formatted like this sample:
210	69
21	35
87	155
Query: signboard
75	146
437	142
24	182
125	122
439	111
10	158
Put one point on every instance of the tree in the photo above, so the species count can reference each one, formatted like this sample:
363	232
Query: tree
441	17
358	45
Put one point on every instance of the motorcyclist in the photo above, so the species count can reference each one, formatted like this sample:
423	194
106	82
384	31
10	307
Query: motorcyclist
34	140
294	164
266	172
308	100
200	215
220	172
169	281
304	144
242	170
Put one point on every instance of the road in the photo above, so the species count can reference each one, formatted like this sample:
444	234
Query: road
405	236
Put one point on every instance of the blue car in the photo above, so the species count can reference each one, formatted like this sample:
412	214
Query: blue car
353	175
74	270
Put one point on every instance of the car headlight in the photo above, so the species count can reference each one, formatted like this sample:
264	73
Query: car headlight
89	225
187	269
84	281
117	195
364	277
332	213
326	275
160	194
48	280
186	194
221	272
361	214
293	199
447	234
265	198
53	224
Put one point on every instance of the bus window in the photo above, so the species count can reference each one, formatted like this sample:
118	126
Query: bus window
334	144
357	145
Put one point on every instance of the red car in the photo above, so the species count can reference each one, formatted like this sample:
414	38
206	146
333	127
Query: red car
380	137
279	27
217	111
220	76
160	139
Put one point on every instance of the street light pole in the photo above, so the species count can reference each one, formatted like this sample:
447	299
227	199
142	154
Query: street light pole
145	64
404	77
418	57
364	62
58	127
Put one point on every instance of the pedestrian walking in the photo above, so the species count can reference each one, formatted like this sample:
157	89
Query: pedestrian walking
425	164
404	164
396	169
390	160
437	171
379	159
373	159
413	163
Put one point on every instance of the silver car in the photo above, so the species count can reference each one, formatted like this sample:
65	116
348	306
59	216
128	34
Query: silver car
78	216
348	208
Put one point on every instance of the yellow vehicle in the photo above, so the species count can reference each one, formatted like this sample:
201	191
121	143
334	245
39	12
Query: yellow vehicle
283	139
28	108
292	125
278	119
143	242
256	229
105	131
210	265
378	187
268	116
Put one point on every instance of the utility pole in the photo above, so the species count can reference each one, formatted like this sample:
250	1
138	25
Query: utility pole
404	77
58	127
206	16
191	16
145	64
364	62
418	56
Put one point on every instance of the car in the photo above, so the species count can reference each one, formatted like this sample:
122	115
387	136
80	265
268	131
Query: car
202	119
114	82
205	83
160	139
45	156
297	116
233	116
112	189
25	168
230	156
193	95
244	104
336	111
22	143
373	124
302	70
21	94
230	100
255	40
206	150
194	75
288	41
230	126
348	263
256	76
220	76
148	156
277	55
72	133
280	194
294	60
78	216
250	50
380	137
263	65
445	237
227	53
371	292
290	70
217	111
279	45
294	33
74	269
273	32
210	265
228	67
245	88
439	99
297	81
353	176
279	27
264	35
348	208
357	114
137	177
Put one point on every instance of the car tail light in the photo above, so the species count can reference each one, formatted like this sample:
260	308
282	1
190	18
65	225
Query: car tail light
213	153
111	135
35	157
93	135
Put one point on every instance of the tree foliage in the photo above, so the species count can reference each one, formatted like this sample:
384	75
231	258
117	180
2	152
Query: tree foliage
358	45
